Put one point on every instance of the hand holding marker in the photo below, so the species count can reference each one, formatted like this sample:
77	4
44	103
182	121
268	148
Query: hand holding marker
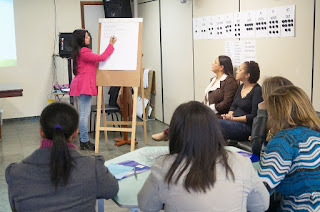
113	40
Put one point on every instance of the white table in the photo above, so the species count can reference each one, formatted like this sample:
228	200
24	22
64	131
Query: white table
130	186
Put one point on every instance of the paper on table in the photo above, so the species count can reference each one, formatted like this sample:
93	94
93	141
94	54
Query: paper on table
66	90
119	171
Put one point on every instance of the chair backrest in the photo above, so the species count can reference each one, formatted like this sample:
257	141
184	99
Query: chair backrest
113	92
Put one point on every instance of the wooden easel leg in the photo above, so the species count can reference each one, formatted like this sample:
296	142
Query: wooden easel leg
142	95
134	118
98	119
104	119
143	111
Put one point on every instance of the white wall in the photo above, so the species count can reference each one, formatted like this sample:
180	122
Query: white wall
288	57
316	77
173	44
34	40
177	55
206	51
151	49
68	19
92	13
35	37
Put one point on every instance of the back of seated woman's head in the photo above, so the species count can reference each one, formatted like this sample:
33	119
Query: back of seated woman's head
226	62
196	138
272	83
288	107
58	121
253	69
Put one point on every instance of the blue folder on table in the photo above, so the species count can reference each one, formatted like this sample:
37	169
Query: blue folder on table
134	164
126	169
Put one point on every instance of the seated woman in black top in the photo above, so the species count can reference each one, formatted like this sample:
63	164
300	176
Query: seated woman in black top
236	124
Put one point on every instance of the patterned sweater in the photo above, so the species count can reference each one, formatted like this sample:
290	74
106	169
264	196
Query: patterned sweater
291	165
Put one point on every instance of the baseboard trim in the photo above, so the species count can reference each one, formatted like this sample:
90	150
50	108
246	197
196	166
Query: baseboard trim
31	118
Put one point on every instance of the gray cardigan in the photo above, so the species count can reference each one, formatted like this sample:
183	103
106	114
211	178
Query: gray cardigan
247	192
30	189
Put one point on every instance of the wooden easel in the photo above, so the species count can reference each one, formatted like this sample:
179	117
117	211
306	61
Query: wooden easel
126	79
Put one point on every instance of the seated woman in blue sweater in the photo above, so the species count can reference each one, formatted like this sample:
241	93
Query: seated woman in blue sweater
291	161
56	177
236	124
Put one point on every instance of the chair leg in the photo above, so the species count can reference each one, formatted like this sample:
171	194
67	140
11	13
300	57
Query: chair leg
117	117
118	120
112	119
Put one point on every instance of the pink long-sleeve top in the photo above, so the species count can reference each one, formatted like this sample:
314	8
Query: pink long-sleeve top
85	81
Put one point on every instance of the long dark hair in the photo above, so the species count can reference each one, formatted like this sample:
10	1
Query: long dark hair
78	37
196	138
58	122
226	62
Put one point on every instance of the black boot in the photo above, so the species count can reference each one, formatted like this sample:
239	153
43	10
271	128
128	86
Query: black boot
86	146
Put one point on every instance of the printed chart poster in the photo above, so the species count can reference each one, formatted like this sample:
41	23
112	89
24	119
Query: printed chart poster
248	24
261	23
273	23
210	23
287	21
248	48
237	24
229	26
241	51
196	28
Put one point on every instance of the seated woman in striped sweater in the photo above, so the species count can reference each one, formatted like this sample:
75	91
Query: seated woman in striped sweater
290	163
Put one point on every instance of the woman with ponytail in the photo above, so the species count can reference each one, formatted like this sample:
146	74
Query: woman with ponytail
56	177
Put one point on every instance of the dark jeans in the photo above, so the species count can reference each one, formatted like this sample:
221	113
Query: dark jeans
234	130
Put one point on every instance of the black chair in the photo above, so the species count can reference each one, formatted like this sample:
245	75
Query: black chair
109	110
245	145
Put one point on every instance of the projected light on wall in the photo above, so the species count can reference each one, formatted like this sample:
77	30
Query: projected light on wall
8	56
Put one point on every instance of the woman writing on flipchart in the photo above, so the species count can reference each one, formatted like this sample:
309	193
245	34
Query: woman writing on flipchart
84	83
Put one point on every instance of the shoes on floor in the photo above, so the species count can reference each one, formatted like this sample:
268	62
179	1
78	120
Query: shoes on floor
86	146
160	137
